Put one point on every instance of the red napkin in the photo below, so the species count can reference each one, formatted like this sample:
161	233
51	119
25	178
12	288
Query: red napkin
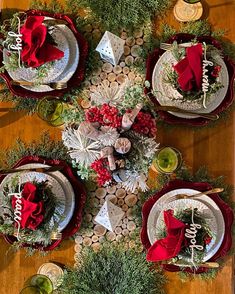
36	50
169	246
32	212
189	69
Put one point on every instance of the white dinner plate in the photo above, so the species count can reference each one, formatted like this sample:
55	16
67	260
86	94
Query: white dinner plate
211	211
164	92
59	184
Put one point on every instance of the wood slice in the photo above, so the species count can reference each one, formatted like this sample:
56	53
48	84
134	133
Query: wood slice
87	241
123	225
95	202
125	70
77	248
95	238
131	200
121	78
131	226
106	83
135	50
99	230
114	85
119	185
138	33
78	239
125	207
88	217
88	28
93	88
122	64
94	210
119	238
95	80
111	236
131	75
85	103
129	214
107	67
100	193
131	244
95	25
130	41
117	69
77	257
112	77
112	198
88	233
96	34
103	75
102	201
102	239
125	232
139	41
86	83
112	189
138	80
120	202
96	72
96	247
118	230
127	50
121	193
124	35
125	220
129	60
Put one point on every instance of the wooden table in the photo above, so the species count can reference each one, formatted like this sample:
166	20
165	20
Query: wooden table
213	147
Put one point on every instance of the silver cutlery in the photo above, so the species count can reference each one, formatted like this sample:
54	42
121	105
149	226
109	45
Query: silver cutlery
37	169
211	191
53	85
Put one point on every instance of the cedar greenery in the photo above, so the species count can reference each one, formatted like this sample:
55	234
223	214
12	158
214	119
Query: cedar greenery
112	270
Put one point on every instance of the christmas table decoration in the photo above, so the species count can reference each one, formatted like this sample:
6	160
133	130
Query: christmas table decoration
117	146
111	48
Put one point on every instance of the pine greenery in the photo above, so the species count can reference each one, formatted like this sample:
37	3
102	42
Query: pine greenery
112	270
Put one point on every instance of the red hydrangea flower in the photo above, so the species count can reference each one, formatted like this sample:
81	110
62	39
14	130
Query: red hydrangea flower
216	70
145	124
103	174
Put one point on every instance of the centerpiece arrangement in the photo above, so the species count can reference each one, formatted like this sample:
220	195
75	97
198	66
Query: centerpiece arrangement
183	240
29	211
114	143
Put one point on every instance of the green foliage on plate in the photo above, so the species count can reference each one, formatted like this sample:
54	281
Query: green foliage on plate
112	270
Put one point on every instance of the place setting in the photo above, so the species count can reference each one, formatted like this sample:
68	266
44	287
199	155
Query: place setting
41	203
191	80
42	53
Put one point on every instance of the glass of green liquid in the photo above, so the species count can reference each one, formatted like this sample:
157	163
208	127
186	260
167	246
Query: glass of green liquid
37	284
50	109
167	160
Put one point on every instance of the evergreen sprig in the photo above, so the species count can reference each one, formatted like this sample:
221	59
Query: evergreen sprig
112	270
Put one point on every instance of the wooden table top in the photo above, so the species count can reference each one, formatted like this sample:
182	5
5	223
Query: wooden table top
213	147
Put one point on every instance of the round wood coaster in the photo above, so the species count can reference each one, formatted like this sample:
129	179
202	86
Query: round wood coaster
187	12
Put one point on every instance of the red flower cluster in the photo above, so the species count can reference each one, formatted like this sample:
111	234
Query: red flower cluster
103	174
106	115
216	70
145	124
207	239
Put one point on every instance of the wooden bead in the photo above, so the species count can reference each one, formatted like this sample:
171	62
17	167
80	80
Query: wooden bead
118	230
125	232
131	200
121	193
111	236
122	64
103	75
95	238
112	77
130	41
131	226
87	241
105	83
139	41
121	78
125	207
127	50
124	35
96	247
125	70
107	67
129	60
138	33
120	202
77	248
79	239
99	230
100	193
135	50
112	198
117	69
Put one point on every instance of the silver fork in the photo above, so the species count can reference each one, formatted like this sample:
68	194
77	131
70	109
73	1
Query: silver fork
53	85
167	46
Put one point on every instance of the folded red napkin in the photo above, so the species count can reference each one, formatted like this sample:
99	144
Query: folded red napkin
189	69
32	212
170	246
36	50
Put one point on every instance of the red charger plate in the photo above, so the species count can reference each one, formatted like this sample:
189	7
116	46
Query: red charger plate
77	77
200	186
80	199
228	99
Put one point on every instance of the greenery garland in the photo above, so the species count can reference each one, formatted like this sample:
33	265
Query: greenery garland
112	270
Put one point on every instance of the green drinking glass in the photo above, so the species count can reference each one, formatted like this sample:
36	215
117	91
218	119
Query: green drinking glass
167	160
37	284
50	109
191	1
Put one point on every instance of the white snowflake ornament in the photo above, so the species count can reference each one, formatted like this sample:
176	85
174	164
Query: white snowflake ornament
109	216
111	48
